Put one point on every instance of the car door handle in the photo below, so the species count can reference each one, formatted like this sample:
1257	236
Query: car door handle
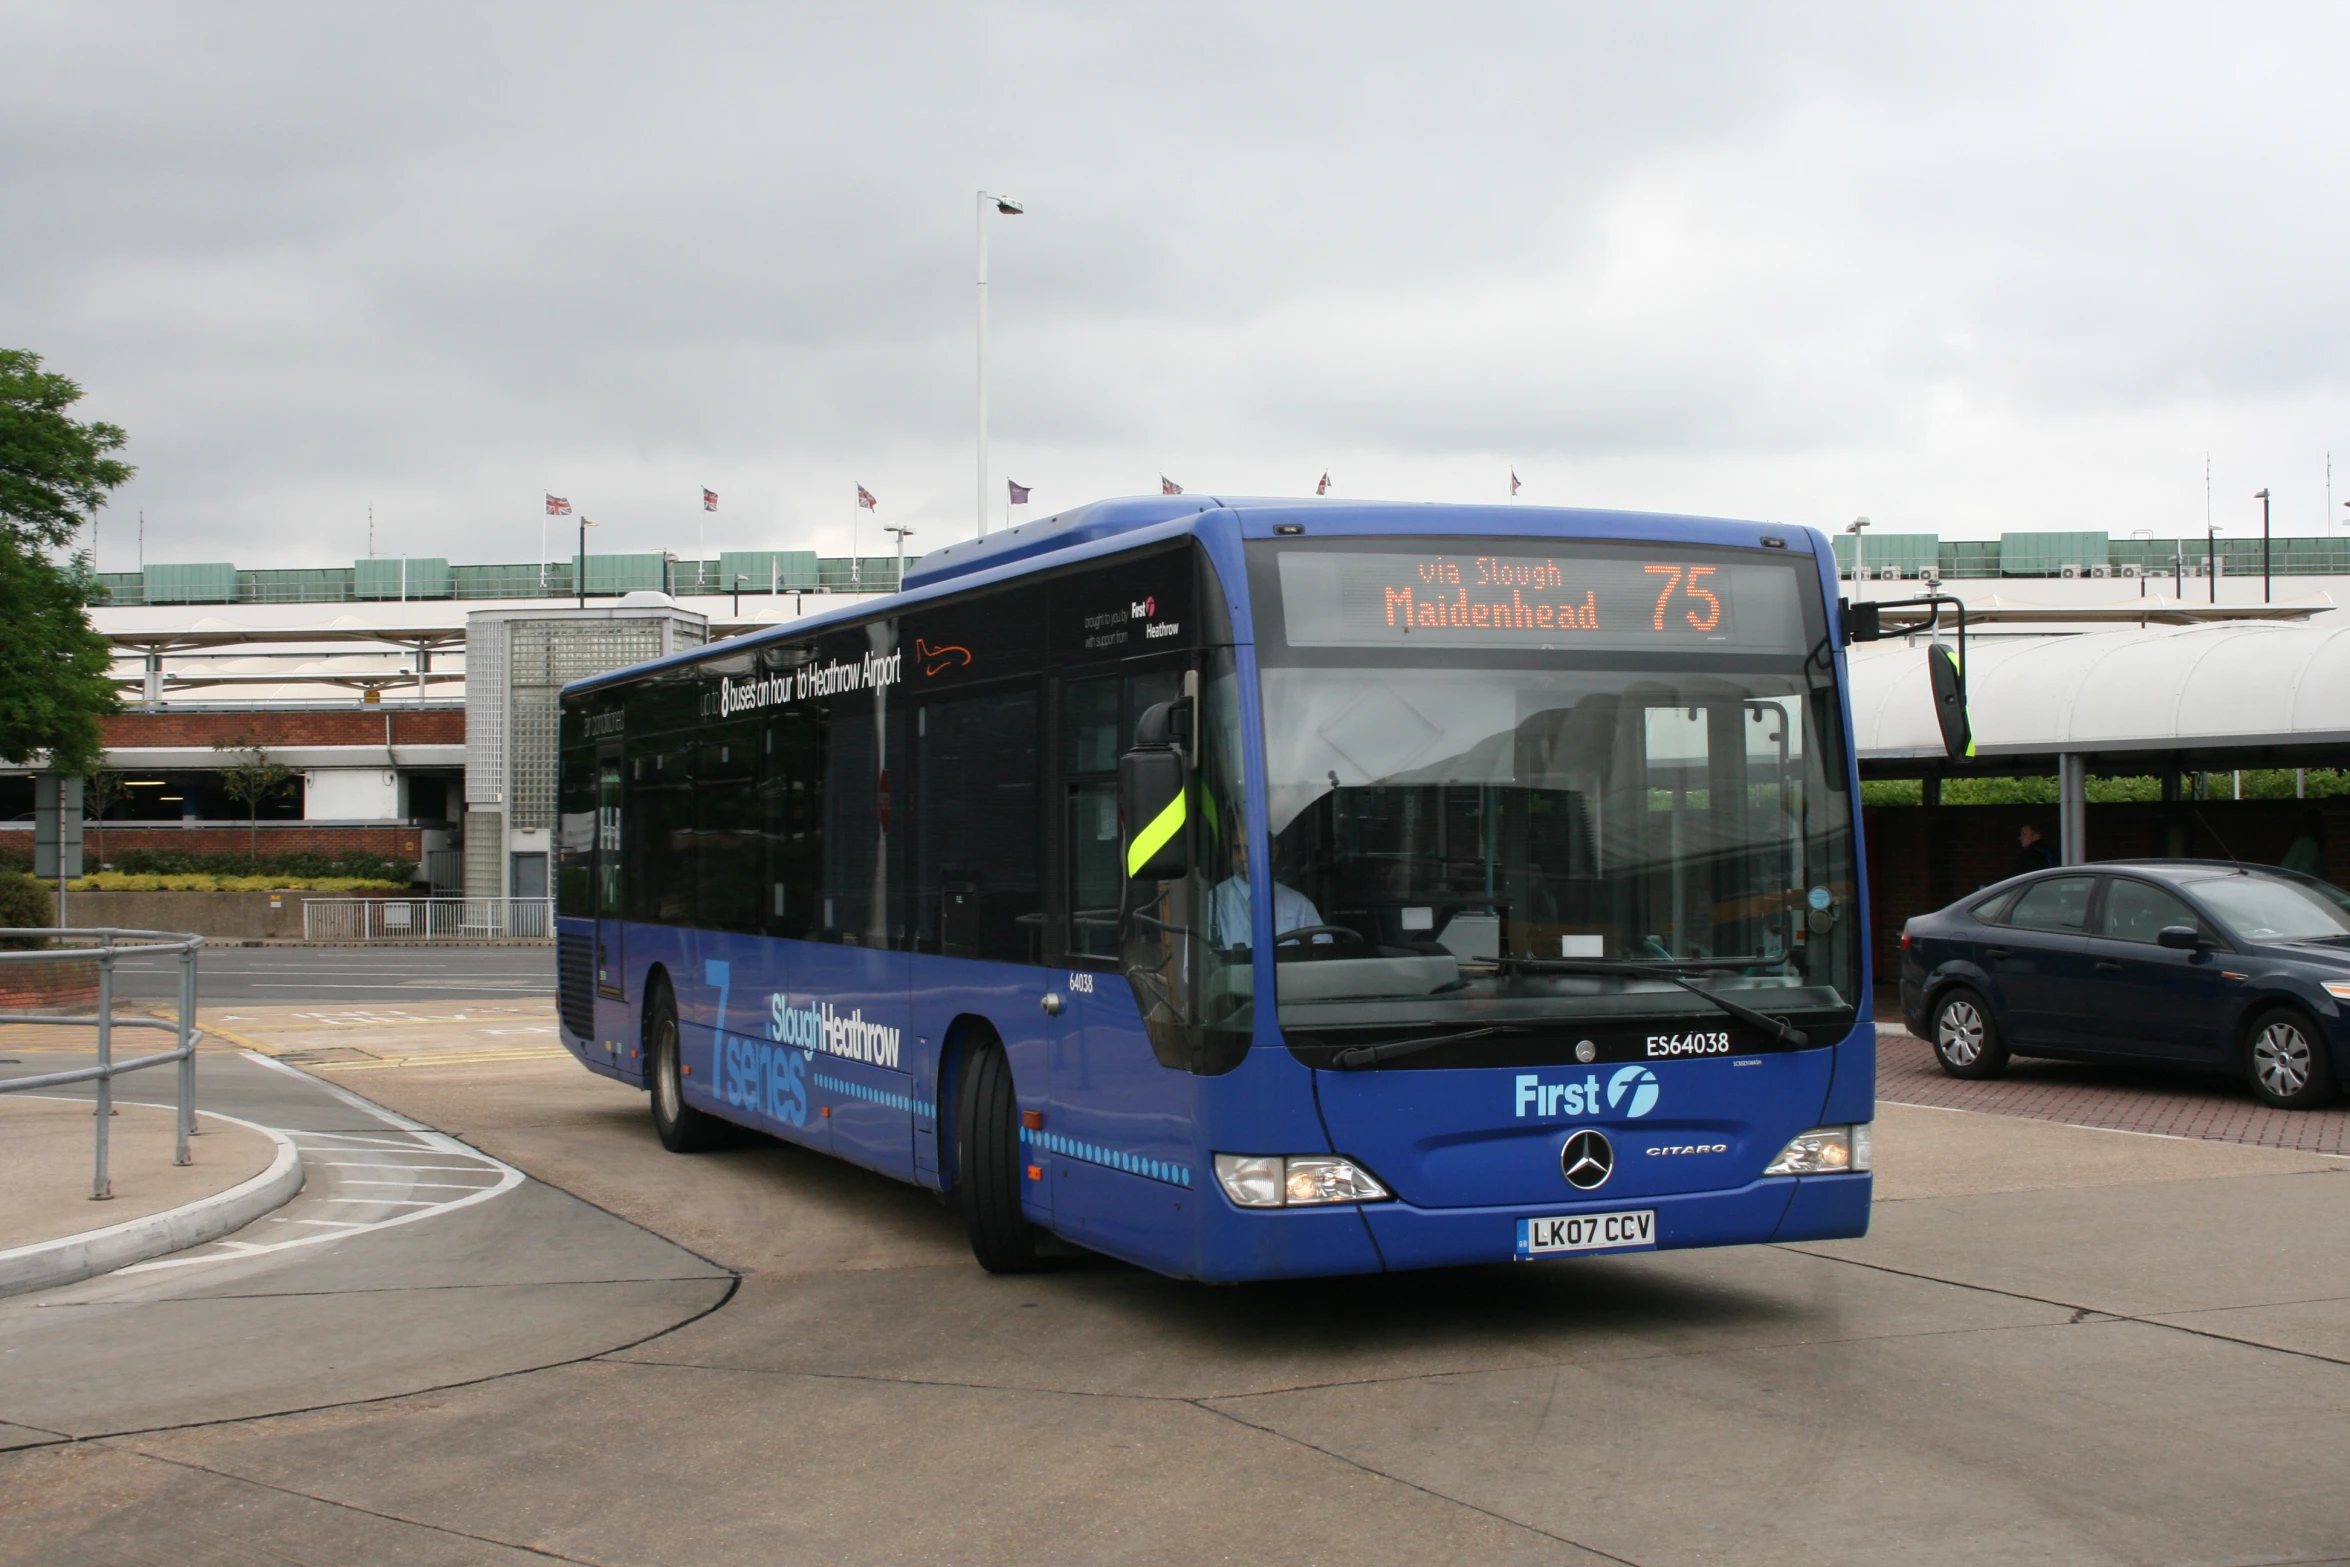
1996	952
2109	966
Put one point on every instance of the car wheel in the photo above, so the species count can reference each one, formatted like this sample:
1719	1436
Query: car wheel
1966	1040
2286	1061
987	1147
682	1128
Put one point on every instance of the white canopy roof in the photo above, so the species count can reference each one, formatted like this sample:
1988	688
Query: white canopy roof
2241	685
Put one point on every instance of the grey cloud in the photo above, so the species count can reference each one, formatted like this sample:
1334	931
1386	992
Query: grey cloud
445	256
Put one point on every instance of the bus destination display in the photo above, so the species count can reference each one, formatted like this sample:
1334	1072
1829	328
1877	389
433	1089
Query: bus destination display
1562	600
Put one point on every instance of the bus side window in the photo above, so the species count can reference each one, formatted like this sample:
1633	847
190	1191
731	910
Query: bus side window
659	844
575	834
792	819
1098	716
978	847
726	825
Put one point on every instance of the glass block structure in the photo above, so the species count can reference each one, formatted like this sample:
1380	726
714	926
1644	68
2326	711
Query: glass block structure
516	663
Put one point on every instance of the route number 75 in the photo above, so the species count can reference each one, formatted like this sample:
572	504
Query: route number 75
1684	581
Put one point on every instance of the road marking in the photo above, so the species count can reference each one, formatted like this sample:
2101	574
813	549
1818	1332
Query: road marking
426	1140
438	1186
365	1142
383	1202
237	1039
491	1056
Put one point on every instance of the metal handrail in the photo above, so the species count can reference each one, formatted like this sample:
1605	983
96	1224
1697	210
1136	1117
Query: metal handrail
428	919
104	1073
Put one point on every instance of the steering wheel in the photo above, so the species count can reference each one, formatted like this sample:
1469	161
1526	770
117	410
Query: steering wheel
1306	932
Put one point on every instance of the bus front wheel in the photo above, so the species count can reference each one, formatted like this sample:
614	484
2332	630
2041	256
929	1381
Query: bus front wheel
987	1141
682	1128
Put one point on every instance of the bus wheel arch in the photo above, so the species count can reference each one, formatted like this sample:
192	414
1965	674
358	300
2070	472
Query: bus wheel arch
987	1135
681	1127
967	1032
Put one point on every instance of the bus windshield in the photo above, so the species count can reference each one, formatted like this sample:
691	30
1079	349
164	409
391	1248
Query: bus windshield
1519	789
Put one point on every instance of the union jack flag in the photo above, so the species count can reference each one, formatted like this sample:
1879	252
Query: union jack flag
1324	487
1019	491
709	499
1513	481
557	506
865	499
1168	486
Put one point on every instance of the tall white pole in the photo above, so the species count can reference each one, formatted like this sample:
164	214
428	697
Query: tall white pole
981	206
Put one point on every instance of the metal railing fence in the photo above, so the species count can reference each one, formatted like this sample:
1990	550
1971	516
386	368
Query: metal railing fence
106	953
428	919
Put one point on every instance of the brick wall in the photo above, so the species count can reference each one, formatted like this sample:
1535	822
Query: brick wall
318	726
1923	858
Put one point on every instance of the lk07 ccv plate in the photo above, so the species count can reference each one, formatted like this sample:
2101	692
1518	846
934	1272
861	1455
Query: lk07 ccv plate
1633	1229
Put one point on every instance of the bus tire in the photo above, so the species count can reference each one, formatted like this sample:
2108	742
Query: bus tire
987	1146
681	1127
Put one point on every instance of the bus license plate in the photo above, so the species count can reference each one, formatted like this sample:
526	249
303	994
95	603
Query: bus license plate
1586	1232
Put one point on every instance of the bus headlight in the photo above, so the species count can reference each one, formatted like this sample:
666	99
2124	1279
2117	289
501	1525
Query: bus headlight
1297	1181
1824	1150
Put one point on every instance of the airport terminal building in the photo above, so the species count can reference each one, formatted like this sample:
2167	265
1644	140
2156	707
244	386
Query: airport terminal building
414	699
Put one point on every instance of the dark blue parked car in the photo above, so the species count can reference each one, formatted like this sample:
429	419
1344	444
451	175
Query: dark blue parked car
2190	963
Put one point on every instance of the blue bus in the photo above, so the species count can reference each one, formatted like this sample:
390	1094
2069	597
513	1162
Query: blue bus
1535	827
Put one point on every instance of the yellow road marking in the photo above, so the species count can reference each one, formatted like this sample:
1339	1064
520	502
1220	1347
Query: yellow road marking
440	1058
218	1032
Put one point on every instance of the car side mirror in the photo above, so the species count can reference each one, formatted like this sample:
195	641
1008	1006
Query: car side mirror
2183	938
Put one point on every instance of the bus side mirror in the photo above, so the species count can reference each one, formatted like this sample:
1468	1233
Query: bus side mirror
1862	622
1958	738
1152	795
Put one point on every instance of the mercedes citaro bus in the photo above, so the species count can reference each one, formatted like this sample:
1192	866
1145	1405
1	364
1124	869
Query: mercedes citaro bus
1252	889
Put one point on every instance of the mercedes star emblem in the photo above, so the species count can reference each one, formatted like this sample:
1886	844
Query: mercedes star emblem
1587	1160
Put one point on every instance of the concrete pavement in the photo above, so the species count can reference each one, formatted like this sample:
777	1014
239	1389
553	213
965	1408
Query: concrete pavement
49	1143
2058	1345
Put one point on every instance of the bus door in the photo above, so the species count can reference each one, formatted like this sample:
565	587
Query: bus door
609	970
1121	1117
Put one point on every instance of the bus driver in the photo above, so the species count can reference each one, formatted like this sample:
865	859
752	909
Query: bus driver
1228	906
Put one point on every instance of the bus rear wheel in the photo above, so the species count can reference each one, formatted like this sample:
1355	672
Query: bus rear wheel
987	1145
682	1128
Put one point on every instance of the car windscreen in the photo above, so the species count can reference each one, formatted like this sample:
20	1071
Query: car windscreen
2272	908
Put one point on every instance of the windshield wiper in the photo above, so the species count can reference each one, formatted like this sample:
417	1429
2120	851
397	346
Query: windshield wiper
1672	974
1355	1057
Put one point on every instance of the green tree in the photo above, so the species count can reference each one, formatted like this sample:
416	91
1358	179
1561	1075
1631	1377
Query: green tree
54	474
102	790
54	667
54	471
253	777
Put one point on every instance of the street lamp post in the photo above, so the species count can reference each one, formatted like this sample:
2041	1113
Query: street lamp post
1854	528
2211	558
2146	535
901	532
1010	209
2262	497
581	584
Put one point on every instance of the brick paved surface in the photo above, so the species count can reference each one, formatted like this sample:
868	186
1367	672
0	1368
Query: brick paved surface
2175	1104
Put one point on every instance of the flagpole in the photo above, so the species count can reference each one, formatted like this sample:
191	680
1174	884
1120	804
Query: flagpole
1010	209
982	215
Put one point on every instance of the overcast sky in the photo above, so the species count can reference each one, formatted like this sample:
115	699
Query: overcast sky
1984	269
